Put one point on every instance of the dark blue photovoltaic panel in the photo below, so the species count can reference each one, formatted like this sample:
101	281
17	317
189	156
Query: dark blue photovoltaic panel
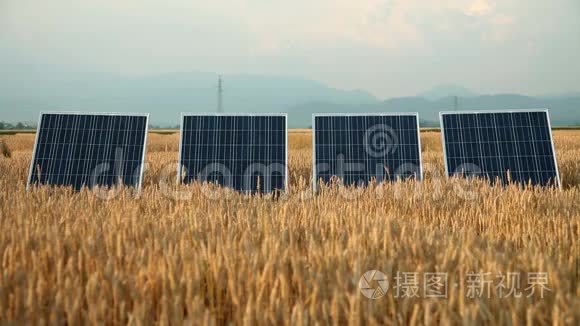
502	146
243	152
86	150
359	148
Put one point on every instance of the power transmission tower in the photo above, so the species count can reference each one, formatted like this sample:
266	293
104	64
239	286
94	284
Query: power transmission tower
220	95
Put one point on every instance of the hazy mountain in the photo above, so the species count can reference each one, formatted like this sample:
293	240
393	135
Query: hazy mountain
564	111
447	90
164	96
26	92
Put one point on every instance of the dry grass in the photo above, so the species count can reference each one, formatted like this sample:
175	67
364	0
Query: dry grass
4	150
73	258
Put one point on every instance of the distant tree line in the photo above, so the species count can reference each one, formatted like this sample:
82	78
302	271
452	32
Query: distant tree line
15	126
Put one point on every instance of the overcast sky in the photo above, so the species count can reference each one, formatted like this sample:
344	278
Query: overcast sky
390	48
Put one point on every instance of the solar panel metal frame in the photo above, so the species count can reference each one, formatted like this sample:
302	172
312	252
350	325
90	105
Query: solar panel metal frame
146	115
314	115
546	111
240	114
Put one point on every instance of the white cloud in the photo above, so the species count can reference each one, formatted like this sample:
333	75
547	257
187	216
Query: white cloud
502	20
347	43
379	23
479	8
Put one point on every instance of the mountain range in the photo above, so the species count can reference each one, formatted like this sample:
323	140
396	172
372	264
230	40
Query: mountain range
24	93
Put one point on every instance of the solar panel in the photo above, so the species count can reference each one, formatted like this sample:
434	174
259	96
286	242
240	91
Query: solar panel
504	146
358	148
246	152
93	149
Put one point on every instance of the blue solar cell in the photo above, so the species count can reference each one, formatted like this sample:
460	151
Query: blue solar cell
505	146
244	152
360	148
85	150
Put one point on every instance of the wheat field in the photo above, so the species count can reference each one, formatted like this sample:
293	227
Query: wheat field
74	258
